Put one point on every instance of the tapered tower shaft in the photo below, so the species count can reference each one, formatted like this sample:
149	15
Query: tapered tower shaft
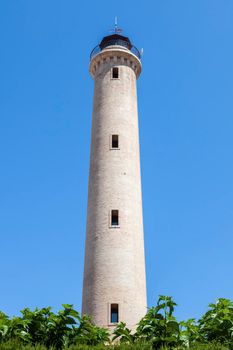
114	286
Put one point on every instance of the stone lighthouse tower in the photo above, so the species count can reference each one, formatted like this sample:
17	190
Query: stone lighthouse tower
114	287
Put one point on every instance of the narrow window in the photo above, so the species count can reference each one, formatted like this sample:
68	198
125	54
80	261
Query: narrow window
114	313
114	217
115	73
115	141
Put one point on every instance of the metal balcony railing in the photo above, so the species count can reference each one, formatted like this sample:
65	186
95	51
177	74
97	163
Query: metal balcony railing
119	42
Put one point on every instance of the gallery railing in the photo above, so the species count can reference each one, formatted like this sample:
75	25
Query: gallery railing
133	49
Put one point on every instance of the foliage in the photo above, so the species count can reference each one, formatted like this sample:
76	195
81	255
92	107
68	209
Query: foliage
161	329
88	333
190	334
124	333
209	346
159	325
4	325
216	325
43	329
15	345
12	345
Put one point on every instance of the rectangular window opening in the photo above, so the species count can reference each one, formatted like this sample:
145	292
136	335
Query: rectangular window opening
114	217
115	73
115	141
114	313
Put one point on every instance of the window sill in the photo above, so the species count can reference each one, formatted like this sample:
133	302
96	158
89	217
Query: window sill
114	226
114	148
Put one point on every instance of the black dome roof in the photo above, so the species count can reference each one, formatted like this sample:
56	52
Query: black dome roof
115	39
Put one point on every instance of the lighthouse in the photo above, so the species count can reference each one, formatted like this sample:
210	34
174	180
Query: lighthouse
114	285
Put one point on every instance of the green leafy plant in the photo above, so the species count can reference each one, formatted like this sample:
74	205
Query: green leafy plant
42	329
159	326
216	325
190	334
4	326
123	333
57	331
88	333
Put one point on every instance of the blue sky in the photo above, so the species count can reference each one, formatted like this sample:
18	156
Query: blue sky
185	96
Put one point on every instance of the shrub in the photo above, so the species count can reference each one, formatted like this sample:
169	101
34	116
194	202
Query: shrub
158	329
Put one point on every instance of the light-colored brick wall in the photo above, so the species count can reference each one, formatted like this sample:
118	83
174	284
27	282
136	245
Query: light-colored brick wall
114	258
